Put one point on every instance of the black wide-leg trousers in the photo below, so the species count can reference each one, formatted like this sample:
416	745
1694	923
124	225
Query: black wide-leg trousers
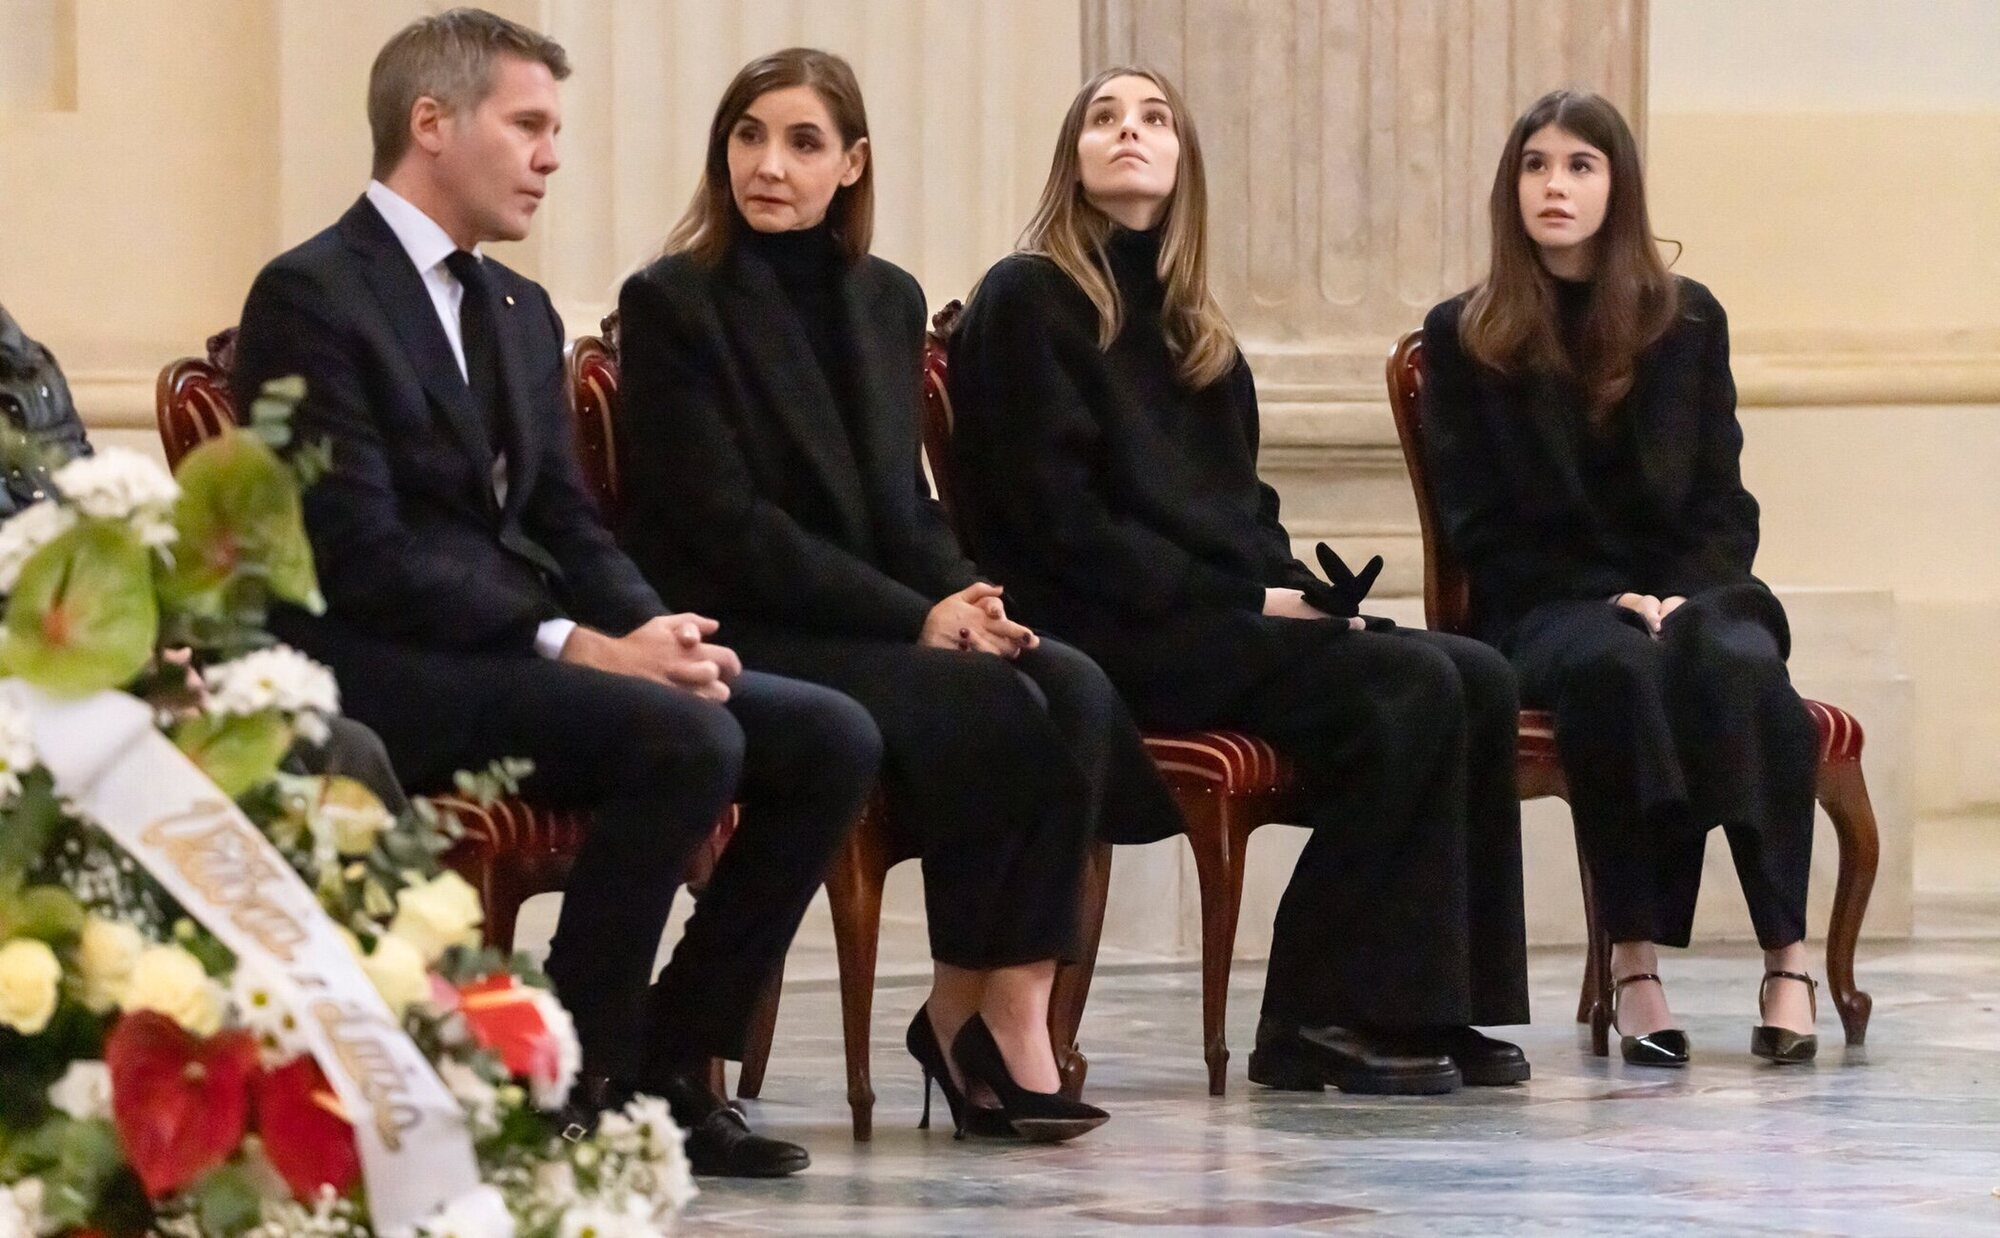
1664	739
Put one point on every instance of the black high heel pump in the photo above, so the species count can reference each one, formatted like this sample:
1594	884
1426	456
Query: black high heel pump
1045	1117
966	1118
1781	1044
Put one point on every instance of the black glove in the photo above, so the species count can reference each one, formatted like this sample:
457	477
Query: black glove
1341	599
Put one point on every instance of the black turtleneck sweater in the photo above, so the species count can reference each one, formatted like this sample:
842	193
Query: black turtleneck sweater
1101	488
808	263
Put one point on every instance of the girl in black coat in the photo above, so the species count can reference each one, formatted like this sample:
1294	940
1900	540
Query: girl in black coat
768	422
1583	423
1107	441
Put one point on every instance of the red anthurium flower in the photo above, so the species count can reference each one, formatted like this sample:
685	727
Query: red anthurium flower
530	1033
306	1135
180	1103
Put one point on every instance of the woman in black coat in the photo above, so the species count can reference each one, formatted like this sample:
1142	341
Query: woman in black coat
768	422
1107	439
1583	423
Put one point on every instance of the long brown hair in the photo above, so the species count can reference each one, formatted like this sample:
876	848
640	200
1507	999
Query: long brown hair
712	221
1511	322
1070	232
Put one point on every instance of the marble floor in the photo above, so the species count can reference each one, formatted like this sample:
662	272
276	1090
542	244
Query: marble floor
1901	1137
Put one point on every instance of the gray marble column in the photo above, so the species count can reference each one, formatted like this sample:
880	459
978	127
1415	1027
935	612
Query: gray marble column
1350	148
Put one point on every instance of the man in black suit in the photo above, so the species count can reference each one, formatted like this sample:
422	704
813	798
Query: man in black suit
477	608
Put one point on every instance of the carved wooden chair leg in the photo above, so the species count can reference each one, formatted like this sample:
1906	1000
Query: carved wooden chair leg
854	893
1072	984
1844	794
1218	862
1597	967
757	1038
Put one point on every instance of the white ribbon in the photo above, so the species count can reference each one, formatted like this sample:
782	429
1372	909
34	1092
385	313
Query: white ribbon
112	763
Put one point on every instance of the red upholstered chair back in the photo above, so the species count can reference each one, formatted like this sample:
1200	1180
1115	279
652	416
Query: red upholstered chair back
192	402
1447	592
938	415
591	363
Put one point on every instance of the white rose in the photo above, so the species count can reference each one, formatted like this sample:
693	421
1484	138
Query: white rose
104	958
84	1091
438	914
30	983
170	980
398	973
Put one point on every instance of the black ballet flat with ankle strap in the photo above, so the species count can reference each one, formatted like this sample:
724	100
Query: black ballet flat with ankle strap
1666	1047
1782	1045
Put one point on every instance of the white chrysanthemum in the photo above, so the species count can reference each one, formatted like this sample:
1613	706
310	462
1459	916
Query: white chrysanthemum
254	1003
27	531
277	678
121	484
632	1218
479	1213
84	1091
17	746
21	1210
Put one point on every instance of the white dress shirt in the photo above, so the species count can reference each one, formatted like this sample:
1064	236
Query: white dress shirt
428	245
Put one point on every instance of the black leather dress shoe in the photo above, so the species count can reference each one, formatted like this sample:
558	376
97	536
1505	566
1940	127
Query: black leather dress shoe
1308	1059
1482	1061
590	1098
720	1142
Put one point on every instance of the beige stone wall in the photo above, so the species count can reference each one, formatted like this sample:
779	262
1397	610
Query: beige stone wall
1833	169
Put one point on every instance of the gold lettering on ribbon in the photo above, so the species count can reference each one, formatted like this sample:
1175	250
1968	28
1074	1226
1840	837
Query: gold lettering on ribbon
370	1061
229	863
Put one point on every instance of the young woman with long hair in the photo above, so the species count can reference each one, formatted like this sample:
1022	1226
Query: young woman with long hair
1107	448
768	426
1583	424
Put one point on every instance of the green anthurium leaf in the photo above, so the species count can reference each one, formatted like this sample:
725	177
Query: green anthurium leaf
236	752
238	514
83	616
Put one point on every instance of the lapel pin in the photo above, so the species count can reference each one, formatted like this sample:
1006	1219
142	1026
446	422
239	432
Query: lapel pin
510	300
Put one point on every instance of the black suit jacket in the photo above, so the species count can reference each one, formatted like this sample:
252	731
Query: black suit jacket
750	497
410	542
1507	471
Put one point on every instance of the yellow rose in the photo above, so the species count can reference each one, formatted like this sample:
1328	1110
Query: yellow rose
30	982
104	958
438	914
170	980
354	815
398	973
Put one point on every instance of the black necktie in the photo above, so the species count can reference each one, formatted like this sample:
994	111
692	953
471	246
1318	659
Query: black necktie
482	345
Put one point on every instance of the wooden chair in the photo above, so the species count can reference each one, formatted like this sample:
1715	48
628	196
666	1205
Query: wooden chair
1840	787
1227	783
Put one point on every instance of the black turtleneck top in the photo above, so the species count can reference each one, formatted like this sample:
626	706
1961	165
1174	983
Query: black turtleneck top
808	263
1097	479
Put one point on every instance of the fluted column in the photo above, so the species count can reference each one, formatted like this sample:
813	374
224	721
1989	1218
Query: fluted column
1350	148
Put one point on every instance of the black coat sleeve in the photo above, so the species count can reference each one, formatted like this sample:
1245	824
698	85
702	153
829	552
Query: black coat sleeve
689	484
603	587
923	550
372	566
1721	535
1033	381
1504	552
